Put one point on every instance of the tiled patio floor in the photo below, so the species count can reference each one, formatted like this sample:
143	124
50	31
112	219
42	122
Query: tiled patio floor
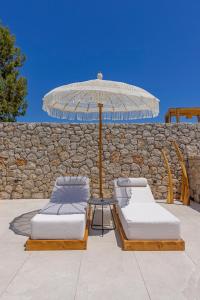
104	271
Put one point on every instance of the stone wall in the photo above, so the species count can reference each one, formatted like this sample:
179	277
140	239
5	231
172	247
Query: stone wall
194	176
32	155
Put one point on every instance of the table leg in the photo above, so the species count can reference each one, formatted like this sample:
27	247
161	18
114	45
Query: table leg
92	222
113	219
101	225
102	228
89	214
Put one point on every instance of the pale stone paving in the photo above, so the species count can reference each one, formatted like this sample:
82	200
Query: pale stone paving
101	272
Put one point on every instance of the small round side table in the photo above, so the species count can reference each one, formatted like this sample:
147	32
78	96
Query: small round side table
102	202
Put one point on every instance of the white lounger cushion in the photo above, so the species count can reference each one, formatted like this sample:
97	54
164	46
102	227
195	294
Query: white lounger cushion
141	195
127	195
53	208
72	180
133	182
148	221
64	217
69	196
64	227
122	195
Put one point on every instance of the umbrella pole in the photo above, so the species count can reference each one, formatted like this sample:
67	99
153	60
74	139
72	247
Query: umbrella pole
100	105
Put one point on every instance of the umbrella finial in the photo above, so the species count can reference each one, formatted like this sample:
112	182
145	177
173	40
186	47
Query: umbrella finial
100	76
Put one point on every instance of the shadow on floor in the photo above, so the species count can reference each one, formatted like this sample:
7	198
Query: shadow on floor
118	240
195	206
21	225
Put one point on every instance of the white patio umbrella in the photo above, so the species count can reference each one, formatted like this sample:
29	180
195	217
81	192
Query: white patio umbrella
100	100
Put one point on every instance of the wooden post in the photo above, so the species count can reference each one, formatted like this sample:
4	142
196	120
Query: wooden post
177	118
185	190
170	194
100	105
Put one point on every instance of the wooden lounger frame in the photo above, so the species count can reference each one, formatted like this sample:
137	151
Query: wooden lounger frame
45	245
146	245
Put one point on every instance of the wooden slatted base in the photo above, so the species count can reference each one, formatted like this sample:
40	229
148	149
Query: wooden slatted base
146	245
41	245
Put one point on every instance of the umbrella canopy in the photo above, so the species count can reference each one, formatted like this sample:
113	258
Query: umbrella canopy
100	100
121	102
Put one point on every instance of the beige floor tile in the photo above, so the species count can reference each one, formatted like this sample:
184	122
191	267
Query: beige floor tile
46	276
166	273
104	271
107	272
11	260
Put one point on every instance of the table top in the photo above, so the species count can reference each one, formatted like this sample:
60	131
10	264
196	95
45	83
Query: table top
104	201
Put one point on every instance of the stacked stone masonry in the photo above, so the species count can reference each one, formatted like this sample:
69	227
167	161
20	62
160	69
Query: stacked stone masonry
33	155
194	176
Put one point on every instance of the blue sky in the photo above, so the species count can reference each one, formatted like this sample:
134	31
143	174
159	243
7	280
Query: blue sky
151	44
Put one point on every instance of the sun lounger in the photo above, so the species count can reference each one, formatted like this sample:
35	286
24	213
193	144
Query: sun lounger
62	224
142	223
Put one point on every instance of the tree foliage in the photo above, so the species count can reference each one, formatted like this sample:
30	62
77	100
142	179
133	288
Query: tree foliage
13	87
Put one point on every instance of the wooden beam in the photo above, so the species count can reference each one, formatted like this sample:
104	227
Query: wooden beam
185	189
177	117
167	118
100	105
47	245
170	194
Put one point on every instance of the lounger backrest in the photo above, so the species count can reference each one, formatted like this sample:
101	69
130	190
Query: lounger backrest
136	194
141	195
122	194
132	182
71	189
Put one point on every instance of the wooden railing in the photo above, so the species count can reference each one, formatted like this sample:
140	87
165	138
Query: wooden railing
187	112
